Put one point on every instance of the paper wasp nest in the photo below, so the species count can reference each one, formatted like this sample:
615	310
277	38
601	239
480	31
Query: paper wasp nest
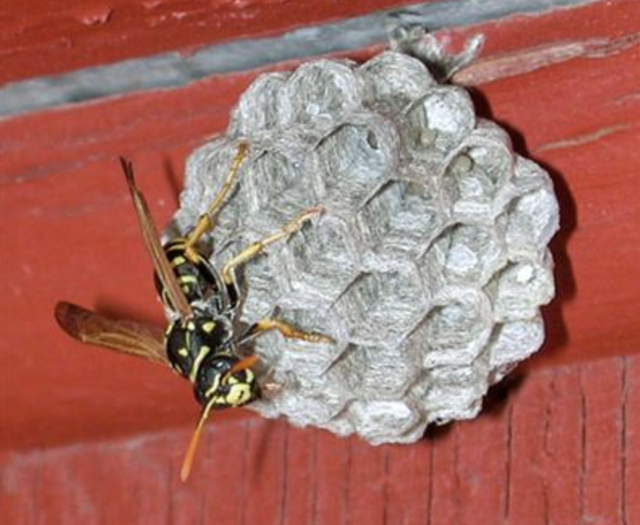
428	267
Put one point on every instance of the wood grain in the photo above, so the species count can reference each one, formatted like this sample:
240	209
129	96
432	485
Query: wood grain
558	446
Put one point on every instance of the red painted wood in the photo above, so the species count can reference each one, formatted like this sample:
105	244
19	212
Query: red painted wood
481	458
408	474
538	455
49	38
525	465
630	460
443	489
300	464
265	479
68	229
563	446
603	439
331	478
365	468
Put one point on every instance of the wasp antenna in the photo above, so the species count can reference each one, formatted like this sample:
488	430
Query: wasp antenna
193	445
127	168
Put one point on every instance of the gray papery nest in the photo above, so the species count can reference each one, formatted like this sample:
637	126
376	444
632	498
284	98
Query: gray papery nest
428	267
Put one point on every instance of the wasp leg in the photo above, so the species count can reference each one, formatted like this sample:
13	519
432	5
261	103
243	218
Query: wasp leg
288	331
207	219
228	271
241	365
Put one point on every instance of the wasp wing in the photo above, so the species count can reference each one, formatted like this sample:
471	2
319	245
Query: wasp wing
127	337
154	247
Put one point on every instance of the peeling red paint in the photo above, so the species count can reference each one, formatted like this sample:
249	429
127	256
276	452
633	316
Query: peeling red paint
95	15
527	60
105	32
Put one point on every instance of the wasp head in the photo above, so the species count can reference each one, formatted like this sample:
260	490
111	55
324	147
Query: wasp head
221	383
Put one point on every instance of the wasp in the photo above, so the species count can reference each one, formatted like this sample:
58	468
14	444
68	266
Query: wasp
203	341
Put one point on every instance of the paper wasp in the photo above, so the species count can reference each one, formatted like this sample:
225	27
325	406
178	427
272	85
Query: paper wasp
202	341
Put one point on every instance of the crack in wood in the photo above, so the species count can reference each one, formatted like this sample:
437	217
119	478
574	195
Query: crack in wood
582	471
508	466
581	140
314	468
284	482
526	61
545	502
430	485
385	488
172	70
457	478
347	486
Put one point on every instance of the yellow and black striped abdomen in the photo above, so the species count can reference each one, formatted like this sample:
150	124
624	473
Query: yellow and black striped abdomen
198	279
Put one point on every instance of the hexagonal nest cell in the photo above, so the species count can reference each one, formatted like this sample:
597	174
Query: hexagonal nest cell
428	266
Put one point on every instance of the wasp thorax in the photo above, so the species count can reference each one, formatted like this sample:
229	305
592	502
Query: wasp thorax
215	385
190	341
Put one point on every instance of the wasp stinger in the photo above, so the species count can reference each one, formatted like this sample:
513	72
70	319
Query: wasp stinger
202	341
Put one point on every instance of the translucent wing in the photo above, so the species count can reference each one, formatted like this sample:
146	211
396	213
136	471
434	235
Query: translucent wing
152	241
127	337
